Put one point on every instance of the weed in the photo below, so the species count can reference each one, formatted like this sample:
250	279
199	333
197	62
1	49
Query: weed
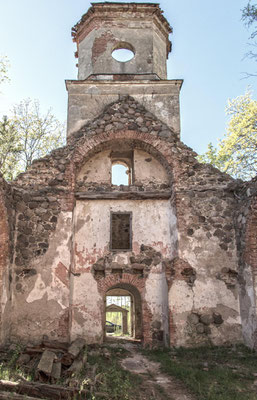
213	373
111	379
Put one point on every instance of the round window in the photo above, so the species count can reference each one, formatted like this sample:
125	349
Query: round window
123	52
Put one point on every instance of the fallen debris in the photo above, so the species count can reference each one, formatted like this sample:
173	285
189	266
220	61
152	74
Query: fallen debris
56	370
76	347
15	396
42	390
46	362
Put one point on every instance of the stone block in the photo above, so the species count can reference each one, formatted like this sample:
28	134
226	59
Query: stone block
46	362
206	319
76	347
193	319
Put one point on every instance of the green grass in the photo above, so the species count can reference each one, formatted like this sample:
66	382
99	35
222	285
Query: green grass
115	382
10	371
212	373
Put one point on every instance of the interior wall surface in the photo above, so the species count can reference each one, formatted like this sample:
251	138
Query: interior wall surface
146	169
152	223
204	294
40	295
6	249
246	222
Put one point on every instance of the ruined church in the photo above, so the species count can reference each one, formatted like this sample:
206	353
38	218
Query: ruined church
178	237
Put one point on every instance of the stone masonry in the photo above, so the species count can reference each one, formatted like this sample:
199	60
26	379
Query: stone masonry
192	265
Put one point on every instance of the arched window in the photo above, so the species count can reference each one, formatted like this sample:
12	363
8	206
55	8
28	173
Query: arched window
121	173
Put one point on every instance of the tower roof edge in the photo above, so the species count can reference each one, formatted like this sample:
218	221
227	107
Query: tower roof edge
102	7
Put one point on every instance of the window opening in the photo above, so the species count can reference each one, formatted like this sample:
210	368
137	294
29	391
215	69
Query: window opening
121	231
123	52
122	55
122	166
120	174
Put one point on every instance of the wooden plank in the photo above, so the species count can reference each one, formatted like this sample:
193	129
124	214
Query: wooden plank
43	390
122	195
34	350
55	345
15	396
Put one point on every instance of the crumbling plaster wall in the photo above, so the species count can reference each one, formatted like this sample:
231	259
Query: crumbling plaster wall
38	274
159	55
201	278
100	43
88	99
97	36
40	305
6	253
152	224
204	297
94	216
146	169
97	169
246	223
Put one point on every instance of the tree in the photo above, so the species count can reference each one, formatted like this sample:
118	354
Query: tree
9	148
4	64
211	157
237	152
33	136
249	16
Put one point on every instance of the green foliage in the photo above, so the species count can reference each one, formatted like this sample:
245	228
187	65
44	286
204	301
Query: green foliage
4	65
212	373
211	157
9	370
26	136
237	152
10	148
249	15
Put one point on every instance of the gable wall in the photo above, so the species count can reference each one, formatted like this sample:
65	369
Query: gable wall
194	288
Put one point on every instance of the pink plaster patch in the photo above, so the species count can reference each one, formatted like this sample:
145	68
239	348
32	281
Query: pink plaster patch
86	258
79	254
62	273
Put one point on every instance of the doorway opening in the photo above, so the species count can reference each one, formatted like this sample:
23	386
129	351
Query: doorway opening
118	315
123	314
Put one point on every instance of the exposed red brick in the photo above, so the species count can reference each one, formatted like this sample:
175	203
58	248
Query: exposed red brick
100	45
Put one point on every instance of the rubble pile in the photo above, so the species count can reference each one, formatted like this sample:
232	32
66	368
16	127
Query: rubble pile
57	371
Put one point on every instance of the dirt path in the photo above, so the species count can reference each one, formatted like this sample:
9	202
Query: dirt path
156	385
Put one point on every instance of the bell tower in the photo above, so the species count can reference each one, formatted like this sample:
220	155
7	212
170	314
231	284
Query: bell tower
139	28
142	30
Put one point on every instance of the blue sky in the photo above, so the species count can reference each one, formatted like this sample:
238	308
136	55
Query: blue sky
209	44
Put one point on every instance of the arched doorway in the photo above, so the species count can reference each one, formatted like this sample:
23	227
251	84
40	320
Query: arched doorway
127	297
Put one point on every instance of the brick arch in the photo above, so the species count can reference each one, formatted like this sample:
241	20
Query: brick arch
136	285
159	148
